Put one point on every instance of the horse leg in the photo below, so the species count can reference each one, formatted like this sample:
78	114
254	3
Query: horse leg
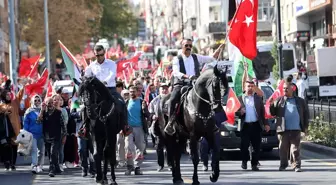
97	155
195	158
113	160
106	162
215	155
174	156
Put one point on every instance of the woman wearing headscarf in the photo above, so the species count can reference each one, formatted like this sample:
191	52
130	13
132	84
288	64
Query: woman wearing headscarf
10	107
31	125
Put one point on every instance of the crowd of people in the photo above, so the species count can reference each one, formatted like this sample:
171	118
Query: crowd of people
56	124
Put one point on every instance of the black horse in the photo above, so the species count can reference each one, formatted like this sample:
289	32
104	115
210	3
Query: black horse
104	125
196	120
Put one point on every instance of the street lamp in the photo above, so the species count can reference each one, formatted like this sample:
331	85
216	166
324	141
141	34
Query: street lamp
279	39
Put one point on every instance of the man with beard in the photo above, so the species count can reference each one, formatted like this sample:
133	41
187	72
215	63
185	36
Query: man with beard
54	131
185	66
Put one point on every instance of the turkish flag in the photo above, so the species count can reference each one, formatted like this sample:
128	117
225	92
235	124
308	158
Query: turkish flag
26	65
147	93
38	86
232	106
49	91
124	64
277	93
34	71
243	31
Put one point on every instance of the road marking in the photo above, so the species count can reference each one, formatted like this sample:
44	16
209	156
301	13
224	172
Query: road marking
187	180
320	160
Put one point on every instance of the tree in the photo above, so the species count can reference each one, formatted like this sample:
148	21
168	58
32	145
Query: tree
71	21
275	69
117	18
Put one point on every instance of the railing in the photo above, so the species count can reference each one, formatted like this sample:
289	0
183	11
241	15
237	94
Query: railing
325	111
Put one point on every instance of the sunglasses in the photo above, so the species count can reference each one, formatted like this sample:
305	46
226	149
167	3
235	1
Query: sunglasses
37	100
100	55
188	45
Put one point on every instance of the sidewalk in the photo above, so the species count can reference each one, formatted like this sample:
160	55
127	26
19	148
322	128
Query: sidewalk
313	147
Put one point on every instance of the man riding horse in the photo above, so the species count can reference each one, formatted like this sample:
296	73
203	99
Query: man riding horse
105	70
186	67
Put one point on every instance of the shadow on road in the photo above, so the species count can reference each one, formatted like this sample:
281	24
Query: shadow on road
235	155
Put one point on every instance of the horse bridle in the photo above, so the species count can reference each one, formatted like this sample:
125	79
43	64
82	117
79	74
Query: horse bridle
212	101
97	106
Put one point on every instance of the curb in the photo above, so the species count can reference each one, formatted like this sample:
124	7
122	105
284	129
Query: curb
329	151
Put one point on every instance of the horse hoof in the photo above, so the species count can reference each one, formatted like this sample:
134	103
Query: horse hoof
180	182
113	183
214	178
196	183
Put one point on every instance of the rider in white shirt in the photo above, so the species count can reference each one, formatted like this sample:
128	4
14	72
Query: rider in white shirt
105	70
185	66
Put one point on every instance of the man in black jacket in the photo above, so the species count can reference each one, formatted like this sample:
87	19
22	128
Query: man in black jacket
53	130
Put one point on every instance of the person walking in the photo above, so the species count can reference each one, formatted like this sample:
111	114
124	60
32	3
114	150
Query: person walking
31	125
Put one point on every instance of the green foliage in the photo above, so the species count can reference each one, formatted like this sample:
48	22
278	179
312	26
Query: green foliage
275	68
321	132
117	18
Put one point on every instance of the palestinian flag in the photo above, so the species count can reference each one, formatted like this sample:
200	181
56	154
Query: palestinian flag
71	63
74	99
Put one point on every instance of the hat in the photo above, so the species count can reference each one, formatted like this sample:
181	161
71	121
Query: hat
164	85
124	91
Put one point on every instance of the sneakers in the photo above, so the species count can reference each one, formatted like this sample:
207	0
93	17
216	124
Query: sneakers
34	169
298	170
61	167
160	169
51	174
84	173
137	171
255	168
205	168
121	165
6	166
39	169
244	165
13	168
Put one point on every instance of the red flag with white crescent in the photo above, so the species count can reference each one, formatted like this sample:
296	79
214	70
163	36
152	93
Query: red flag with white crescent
277	93
232	106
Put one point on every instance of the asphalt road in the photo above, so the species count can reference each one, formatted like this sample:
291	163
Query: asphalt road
317	169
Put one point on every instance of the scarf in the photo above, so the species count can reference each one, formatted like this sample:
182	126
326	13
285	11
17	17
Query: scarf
33	107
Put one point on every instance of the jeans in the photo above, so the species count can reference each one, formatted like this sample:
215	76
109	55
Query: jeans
135	145
84	148
53	146
61	153
38	150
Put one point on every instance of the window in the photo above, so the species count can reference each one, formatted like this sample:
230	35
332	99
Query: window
293	7
288	60
287	12
265	11
282	13
216	16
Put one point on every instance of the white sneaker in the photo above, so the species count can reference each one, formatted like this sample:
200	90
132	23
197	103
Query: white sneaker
68	165
298	170
61	167
34	170
39	169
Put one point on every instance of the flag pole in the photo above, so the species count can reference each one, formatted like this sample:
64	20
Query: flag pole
228	31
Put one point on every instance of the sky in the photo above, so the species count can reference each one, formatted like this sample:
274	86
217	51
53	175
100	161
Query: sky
136	1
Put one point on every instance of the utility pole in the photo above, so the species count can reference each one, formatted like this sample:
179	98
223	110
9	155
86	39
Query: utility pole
182	19
46	32
12	63
279	39
153	36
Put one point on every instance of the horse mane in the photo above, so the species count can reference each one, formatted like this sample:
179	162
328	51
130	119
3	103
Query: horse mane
205	77
101	87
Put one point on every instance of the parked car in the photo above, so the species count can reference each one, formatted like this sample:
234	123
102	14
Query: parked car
230	137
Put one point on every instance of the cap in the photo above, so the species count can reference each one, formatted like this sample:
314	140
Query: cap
164	85
124	91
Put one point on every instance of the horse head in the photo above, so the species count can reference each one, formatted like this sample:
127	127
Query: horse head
220	84
95	94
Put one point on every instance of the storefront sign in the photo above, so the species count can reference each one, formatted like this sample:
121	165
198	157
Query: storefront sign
315	4
217	27
301	7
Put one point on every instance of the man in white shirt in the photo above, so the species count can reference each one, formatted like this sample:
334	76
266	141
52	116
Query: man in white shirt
105	70
185	66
